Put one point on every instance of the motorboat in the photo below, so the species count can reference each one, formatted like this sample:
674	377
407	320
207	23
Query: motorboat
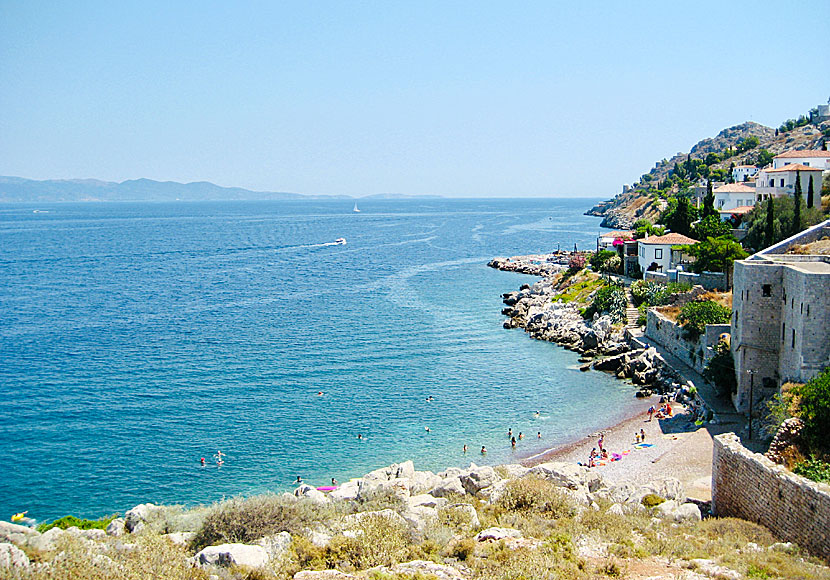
340	241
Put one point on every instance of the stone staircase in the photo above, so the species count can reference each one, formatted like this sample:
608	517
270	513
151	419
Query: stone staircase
631	312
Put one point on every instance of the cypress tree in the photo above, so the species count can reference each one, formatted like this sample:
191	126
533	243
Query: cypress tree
796	227
810	193
709	201
769	234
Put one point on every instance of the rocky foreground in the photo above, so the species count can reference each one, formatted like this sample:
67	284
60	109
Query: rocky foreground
421	502
552	520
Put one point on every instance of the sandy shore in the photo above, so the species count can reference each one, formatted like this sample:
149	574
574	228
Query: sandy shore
680	450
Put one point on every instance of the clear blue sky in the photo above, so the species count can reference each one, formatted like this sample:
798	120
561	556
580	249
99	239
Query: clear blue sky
451	98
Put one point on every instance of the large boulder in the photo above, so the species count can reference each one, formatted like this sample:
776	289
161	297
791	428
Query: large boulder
136	518
347	491
479	478
116	528
423	481
426	500
275	545
569	475
47	541
420	517
180	538
16	534
232	554
12	557
448	487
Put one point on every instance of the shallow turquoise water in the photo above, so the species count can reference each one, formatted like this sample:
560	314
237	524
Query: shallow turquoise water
137	338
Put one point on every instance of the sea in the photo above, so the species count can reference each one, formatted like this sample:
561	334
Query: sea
138	338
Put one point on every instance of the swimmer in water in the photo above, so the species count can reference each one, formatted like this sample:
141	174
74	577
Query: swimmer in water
360	435
513	441
521	436
465	448
538	434
319	393
299	480
536	414
426	429
333	481
510	432
483	450
203	461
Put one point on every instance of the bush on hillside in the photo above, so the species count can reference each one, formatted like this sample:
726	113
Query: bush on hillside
814	410
598	259
720	371
694	317
80	523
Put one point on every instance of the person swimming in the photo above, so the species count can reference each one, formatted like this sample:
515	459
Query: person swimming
464	450
299	480
360	435
483	450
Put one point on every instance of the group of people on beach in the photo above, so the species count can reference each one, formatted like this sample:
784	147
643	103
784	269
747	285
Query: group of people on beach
663	412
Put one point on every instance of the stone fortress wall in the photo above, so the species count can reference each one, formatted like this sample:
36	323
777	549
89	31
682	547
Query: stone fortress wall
749	486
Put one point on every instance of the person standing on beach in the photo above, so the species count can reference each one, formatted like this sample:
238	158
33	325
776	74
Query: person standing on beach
642	435
651	413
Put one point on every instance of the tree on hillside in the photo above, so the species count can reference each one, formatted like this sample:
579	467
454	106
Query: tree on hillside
764	158
810	193
717	255
795	227
711	227
769	231
709	202
679	215
771	222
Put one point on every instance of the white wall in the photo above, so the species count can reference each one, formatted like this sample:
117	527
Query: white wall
649	253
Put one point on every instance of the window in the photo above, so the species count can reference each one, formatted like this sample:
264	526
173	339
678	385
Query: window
658	253
782	182
793	343
767	289
783	332
808	310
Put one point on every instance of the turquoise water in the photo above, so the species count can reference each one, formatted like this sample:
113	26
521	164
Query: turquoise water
137	338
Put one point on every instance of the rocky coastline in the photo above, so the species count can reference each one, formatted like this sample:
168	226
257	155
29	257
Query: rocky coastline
604	346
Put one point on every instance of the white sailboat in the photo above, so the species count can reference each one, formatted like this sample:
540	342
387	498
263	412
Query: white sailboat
355	208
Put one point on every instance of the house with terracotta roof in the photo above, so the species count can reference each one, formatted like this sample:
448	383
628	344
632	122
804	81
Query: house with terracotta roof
780	181
741	173
808	158
655	253
734	195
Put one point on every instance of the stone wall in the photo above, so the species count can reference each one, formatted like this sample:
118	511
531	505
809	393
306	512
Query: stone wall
669	335
709	280
749	486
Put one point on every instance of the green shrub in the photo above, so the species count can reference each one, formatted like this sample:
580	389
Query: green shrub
814	410
651	500
598	259
80	523
535	494
694	316
814	469
720	370
247	520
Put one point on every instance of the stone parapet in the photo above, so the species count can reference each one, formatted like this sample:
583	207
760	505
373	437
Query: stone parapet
749	486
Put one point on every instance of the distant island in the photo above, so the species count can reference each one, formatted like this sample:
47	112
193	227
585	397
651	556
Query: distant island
21	190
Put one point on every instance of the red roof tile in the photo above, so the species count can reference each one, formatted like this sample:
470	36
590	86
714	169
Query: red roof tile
670	238
804	153
793	167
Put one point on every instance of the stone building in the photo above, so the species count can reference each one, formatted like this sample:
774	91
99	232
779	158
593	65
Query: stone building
781	315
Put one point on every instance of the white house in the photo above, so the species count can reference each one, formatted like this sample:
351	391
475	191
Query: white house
741	173
733	195
808	158
778	182
606	241
654	253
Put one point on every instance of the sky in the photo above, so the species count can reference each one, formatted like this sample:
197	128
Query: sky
461	99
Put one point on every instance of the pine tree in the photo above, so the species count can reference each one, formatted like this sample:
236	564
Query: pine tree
810	193
796	227
769	235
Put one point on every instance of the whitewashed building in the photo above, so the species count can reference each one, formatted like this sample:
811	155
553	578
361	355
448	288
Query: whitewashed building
733	195
808	158
655	253
778	182
606	240
741	173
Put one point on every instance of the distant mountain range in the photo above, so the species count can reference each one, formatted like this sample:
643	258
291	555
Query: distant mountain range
18	189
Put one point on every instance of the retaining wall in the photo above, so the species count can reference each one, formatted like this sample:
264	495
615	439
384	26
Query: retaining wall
669	335
749	486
